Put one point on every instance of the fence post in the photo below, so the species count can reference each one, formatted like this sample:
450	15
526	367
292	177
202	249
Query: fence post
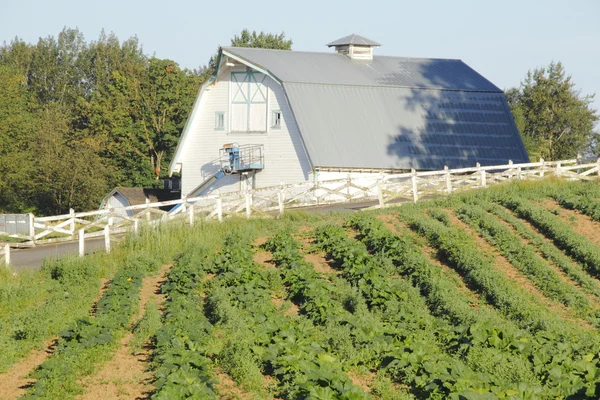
448	180
598	165
558	169
136	227
510	163
281	198
413	178
482	175
32	228
380	194
109	217
72	224
519	176
81	242
219	207
543	166
191	214
107	238
316	188
248	204
348	183
7	254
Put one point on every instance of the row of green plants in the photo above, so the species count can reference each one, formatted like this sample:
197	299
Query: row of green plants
546	249
449	376
476	325
182	369
92	340
578	247
292	349
584	199
459	249
552	354
523	257
37	305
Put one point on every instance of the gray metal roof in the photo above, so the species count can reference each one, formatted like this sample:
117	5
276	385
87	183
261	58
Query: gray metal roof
353	39
338	69
395	128
392	112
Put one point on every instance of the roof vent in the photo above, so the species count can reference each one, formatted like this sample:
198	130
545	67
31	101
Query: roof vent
355	46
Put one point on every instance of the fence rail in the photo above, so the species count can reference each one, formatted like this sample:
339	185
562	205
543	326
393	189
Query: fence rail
382	189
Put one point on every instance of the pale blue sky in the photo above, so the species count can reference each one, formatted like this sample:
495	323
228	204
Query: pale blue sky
500	39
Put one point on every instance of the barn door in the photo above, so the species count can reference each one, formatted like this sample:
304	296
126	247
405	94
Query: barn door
248	102
257	113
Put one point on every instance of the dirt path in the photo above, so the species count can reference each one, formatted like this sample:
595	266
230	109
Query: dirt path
317	258
15	381
126	375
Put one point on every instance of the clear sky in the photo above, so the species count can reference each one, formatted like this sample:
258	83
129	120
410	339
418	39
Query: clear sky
500	39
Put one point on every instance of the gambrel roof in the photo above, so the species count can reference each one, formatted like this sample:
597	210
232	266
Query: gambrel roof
391	112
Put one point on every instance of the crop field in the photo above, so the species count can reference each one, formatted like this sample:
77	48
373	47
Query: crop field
489	294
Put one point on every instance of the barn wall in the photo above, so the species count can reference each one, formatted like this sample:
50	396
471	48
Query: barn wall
284	155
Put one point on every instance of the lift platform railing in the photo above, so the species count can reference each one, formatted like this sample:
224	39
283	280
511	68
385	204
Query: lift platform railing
236	158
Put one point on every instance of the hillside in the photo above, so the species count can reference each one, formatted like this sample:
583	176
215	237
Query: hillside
488	294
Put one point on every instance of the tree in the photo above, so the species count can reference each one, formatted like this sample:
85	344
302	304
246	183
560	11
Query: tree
555	120
162	100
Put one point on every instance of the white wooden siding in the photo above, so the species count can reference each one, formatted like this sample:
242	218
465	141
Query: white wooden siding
117	200
284	154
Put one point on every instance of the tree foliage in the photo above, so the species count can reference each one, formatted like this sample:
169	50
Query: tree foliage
78	118
555	120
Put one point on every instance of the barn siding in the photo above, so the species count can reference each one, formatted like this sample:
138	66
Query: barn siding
285	156
117	200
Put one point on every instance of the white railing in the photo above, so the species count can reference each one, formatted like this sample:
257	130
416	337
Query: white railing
381	189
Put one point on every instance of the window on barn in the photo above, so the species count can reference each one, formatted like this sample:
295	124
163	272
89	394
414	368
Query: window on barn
276	119
219	120
248	102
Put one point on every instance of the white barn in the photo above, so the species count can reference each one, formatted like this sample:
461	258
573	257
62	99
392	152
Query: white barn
272	116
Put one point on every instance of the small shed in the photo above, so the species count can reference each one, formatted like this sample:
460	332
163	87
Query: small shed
126	196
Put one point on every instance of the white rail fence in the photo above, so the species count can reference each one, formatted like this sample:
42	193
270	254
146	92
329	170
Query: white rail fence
381	189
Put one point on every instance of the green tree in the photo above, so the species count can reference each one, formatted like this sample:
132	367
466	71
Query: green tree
17	130
162	100
555	120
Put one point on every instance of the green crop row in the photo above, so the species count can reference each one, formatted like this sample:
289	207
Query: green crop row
181	368
37	305
91	340
524	257
549	251
449	376
557	343
577	246
292	348
586	204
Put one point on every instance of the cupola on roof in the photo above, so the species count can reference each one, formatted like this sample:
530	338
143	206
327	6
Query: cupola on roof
355	46
354	39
